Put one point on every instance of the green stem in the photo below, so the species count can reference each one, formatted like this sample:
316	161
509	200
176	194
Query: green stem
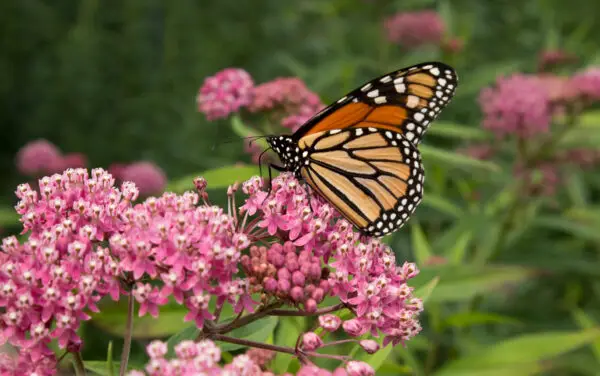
78	364
127	336
242	321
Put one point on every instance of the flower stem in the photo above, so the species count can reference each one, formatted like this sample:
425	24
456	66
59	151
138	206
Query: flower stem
127	336
225	328
245	342
287	312
78	364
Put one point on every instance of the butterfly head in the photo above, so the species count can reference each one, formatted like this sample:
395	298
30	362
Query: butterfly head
288	151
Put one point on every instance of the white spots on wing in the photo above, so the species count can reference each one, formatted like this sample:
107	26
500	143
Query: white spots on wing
435	71
442	82
419	116
335	131
305	154
398	80
373	93
341	100
410	126
412	101
380	100
410	136
371	129
366	87
385	79
358	132
400	88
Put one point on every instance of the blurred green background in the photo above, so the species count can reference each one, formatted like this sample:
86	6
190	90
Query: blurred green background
512	281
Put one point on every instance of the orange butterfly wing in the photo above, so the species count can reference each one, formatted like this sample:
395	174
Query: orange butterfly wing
404	101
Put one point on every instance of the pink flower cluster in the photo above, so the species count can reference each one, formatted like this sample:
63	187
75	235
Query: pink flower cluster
87	239
363	270
224	93
518	105
414	29
203	358
41	157
147	176
587	84
288	95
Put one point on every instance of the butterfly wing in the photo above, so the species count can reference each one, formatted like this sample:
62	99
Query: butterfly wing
373	177
404	101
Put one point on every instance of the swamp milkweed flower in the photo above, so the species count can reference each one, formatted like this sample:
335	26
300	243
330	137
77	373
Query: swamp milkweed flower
88	239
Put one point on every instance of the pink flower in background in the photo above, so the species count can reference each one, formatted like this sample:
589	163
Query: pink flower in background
148	177
413	29
553	57
481	151
453	45
290	97
224	93
518	105
73	160
587	84
38	157
41	157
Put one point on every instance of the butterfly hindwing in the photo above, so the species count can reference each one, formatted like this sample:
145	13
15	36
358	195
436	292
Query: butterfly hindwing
404	101
374	177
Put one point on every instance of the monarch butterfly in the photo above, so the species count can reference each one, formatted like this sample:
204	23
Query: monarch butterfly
360	153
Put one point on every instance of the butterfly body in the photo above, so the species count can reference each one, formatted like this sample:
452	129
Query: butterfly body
360	153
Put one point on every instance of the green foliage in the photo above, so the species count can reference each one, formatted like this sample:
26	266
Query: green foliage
509	280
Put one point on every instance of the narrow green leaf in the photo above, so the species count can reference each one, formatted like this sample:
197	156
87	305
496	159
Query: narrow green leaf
462	283
577	190
286	335
374	360
424	292
221	177
458	252
242	130
522	351
452	159
420	245
465	319
459	131
443	205
257	331
577	229
585	321
109	359
99	367
188	334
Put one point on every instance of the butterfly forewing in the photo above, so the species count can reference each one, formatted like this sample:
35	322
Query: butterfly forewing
374	177
404	101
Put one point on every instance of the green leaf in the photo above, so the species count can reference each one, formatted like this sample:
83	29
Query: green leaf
585	321
99	367
221	177
374	360
8	217
577	229
242	130
465	319
109	359
420	245
394	369
188	334
461	132
443	205
424	292
525	352
257	331
286	335
456	160
458	252
112	319
462	283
